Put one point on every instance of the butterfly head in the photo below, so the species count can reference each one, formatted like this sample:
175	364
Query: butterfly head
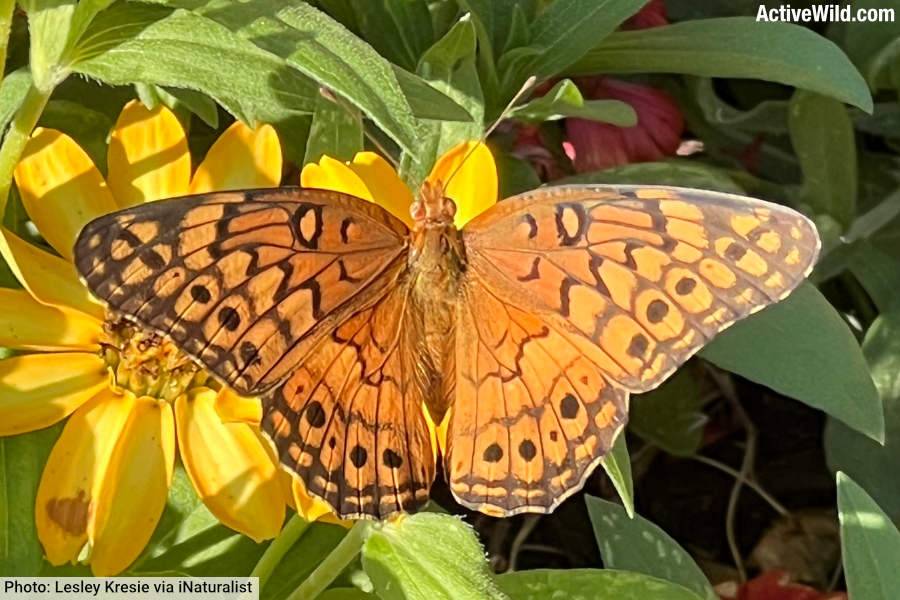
433	209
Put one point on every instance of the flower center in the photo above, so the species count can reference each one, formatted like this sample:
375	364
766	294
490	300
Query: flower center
147	363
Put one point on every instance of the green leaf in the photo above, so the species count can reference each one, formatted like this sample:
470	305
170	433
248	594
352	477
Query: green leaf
345	594
514	174
632	543
336	130
676	172
865	42
297	564
860	457
769	116
13	89
195	102
870	544
22	459
400	30
427	102
567	29
590	584
449	65
492	18
670	416
823	138
878	273
49	22
617	465
404	561
801	348
324	50
733	47
565	100
192	52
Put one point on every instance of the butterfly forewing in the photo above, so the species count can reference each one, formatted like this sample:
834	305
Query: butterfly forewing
240	280
580	294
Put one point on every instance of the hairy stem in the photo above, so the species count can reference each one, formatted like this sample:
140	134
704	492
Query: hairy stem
280	546
342	555
16	138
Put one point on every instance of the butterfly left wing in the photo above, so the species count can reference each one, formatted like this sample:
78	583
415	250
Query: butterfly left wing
243	281
610	287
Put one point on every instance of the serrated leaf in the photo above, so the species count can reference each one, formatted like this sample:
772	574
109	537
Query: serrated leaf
404	562
632	543
590	584
565	100
870	543
733	47
802	348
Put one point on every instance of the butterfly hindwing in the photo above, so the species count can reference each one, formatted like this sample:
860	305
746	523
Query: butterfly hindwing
239	279
349	422
576	295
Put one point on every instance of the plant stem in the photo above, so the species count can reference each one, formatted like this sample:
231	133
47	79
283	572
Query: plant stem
292	532
17	136
342	555
775	504
7	7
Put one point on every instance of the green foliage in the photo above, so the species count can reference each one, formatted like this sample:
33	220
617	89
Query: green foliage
868	537
780	111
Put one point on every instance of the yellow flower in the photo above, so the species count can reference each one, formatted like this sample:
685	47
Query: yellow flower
133	398
473	187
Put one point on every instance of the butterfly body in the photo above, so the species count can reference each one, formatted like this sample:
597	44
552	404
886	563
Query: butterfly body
524	332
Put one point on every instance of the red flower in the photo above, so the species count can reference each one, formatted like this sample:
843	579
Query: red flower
652	15
774	585
595	145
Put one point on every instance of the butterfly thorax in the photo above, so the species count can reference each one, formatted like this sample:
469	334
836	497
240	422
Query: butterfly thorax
436	260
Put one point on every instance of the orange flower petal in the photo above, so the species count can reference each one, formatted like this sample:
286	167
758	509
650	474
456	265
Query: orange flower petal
474	186
67	495
148	156
60	188
229	467
313	509
38	390
134	489
240	158
50	279
385	185
331	174
25	323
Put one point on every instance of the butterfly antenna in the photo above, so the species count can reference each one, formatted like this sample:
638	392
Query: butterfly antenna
354	114
529	83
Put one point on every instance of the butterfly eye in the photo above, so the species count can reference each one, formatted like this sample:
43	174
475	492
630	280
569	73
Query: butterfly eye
417	211
449	207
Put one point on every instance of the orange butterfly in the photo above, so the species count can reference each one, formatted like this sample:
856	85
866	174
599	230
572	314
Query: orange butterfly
527	329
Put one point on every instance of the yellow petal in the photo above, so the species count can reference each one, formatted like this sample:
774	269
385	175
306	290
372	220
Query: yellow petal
331	174
474	186
37	390
66	497
60	188
148	156
240	158
26	323
234	408
384	184
313	509
49	278
229	467
133	493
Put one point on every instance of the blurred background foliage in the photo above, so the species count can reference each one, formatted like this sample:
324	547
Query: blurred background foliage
766	467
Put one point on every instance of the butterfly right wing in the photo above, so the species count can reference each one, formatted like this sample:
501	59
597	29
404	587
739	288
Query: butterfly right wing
245	282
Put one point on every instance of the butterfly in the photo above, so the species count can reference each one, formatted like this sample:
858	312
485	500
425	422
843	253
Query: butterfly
522	334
